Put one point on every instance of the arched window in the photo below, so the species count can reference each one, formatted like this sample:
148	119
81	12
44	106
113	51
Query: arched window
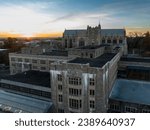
109	40
70	43
114	40
65	43
120	41
103	41
81	42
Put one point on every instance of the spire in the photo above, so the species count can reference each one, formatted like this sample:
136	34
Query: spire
99	25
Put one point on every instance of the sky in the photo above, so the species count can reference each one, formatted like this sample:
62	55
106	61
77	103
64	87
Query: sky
51	17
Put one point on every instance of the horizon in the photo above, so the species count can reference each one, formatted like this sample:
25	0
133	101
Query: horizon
49	18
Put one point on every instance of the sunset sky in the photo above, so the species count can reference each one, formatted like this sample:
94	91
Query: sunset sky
51	17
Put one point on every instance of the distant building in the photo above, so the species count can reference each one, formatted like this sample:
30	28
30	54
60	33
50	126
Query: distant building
130	96
95	36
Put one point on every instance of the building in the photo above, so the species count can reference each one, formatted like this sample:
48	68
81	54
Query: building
80	77
95	36
20	62
130	96
83	84
35	84
134	68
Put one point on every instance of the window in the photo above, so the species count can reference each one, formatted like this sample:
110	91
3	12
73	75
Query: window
91	55
74	92
26	60
13	64
114	107
114	41
130	109
59	77
65	43
34	61
92	82
82	54
12	59
145	110
19	65
92	104
60	98
59	87
43	68
86	54
70	43
75	81
120	41
34	67
103	41
19	60
60	110
42	62
92	92
75	104
26	66
109	41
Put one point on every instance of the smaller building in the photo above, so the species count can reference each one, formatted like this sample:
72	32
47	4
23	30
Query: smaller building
14	103
137	68
35	84
130	96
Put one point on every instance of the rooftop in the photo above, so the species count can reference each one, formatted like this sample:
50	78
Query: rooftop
57	53
18	103
135	59
96	62
74	32
31	77
91	47
111	32
132	91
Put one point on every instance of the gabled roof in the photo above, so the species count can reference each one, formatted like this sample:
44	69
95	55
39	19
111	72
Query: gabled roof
74	32
113	32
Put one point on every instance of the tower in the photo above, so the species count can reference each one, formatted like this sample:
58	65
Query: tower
93	35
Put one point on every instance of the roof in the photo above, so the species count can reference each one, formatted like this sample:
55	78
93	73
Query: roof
74	32
96	62
135	59
91	47
16	103
31	77
132	91
140	68
112	32
57	53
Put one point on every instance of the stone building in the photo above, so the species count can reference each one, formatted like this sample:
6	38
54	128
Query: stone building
82	75
95	36
83	84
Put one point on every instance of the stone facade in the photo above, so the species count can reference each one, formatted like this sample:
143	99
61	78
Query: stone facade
95	36
81	88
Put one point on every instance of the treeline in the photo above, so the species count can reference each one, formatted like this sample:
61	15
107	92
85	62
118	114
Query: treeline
139	42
